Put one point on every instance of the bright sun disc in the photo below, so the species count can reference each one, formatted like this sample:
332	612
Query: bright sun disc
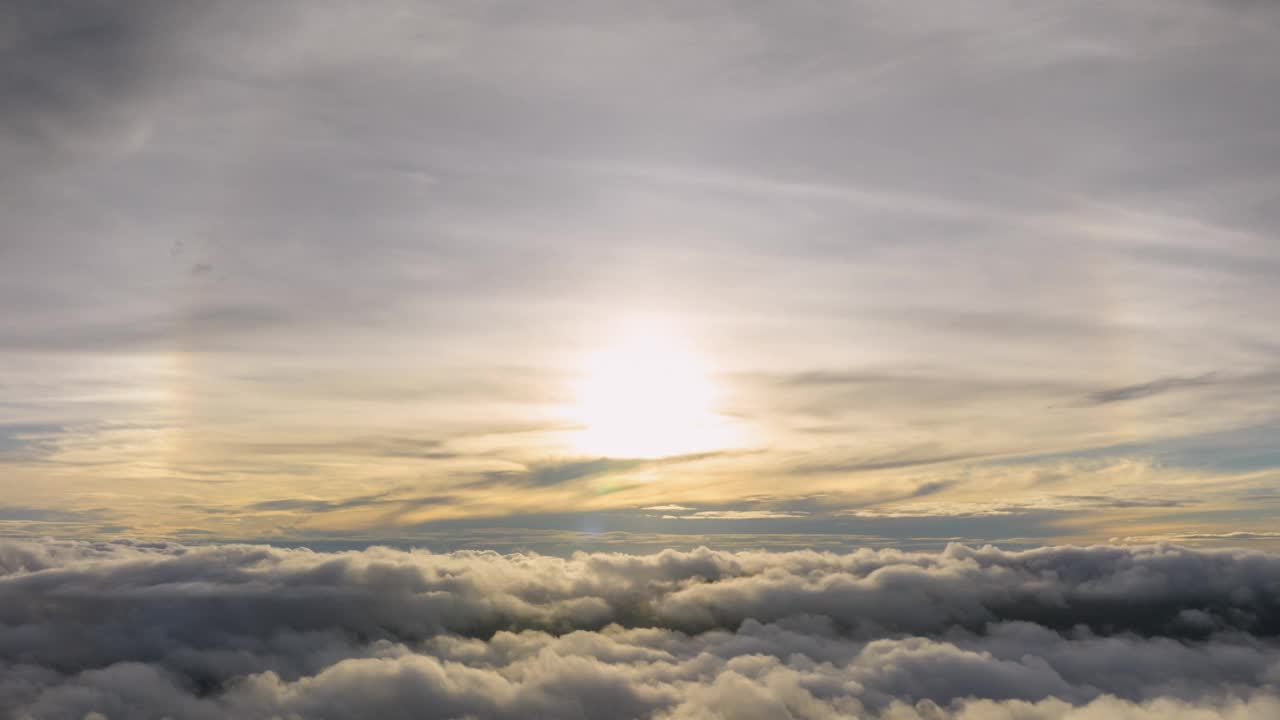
646	396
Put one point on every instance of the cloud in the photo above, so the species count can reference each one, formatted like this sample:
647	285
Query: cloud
737	515
908	458
81	78
18	512
133	629
364	501
27	441
1063	503
1147	389
560	472
1196	537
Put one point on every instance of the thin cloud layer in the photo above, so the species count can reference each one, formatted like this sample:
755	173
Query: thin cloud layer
320	251
129	630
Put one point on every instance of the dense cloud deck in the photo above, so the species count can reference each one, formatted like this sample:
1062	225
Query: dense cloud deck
238	631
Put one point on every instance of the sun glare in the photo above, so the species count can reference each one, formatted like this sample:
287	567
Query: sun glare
646	395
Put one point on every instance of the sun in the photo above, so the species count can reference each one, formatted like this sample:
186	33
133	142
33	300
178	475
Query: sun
646	395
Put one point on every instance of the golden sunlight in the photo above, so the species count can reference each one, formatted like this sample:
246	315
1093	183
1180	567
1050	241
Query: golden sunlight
645	395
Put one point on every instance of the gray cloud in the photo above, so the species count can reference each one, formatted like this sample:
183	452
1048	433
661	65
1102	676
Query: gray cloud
77	76
399	504
132	629
376	447
1147	389
19	513
1193	537
558	472
1033	504
906	458
27	441
738	515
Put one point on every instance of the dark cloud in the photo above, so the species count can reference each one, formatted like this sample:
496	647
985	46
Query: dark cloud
25	441
400	504
130	629
931	488
905	458
828	393
19	513
385	446
1147	389
209	327
74	74
557	472
1107	501
1194	537
1242	449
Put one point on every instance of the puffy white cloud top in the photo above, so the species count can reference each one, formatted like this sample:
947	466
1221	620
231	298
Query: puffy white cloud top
129	630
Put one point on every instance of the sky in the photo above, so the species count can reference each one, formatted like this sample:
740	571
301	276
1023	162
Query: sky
612	360
611	275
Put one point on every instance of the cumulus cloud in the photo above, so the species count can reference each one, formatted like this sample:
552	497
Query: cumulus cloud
130	629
